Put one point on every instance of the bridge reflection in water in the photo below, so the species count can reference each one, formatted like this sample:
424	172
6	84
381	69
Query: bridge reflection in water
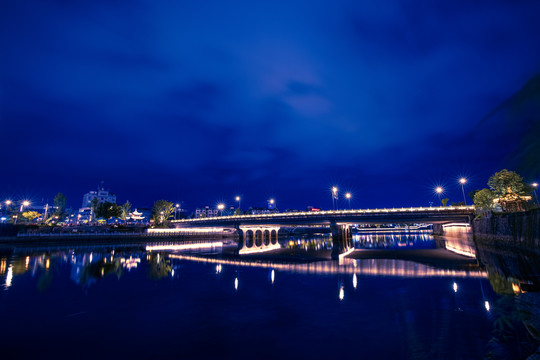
373	267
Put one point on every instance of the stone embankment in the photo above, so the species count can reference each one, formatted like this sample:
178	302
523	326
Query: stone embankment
520	229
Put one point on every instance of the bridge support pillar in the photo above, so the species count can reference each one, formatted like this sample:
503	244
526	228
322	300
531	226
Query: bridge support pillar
341	239
438	229
257	238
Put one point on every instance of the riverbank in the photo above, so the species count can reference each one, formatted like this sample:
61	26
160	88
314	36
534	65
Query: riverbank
521	229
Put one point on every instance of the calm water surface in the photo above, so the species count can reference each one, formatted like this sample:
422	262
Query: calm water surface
397	296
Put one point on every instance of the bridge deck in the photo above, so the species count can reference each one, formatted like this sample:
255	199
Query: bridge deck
394	215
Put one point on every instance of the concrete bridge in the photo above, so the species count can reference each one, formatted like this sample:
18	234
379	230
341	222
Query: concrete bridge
259	232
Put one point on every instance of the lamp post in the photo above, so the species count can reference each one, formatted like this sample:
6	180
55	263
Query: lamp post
463	181
7	202
220	208
334	197
272	203
439	190
238	200
535	185
23	204
161	212
175	211
348	196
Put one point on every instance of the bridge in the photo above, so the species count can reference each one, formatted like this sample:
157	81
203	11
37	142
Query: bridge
260	231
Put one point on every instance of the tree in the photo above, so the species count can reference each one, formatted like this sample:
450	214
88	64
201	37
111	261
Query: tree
483	199
444	201
108	210
162	211
237	212
30	215
60	205
125	210
506	182
509	190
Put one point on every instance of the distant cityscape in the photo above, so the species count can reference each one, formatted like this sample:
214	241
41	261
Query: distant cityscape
13	211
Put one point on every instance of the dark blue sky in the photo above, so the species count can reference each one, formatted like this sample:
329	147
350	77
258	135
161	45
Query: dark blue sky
201	101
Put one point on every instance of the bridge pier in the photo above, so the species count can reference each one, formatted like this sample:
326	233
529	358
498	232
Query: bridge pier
257	238
341	240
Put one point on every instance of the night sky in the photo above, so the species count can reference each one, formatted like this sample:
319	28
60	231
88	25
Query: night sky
200	101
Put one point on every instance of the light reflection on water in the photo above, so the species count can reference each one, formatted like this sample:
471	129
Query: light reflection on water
214	303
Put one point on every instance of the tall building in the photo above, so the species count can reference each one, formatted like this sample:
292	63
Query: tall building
101	194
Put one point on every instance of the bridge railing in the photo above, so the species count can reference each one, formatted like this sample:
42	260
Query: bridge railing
451	209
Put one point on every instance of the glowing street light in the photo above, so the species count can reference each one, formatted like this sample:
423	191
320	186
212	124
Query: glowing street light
439	190
334	197
176	207
463	181
8	202
238	200
271	204
24	203
348	196
220	208
535	185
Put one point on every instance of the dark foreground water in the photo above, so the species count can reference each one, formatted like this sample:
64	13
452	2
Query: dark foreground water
74	302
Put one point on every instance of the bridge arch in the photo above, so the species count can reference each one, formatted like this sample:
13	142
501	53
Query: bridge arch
266	237
249	238
273	237
258	238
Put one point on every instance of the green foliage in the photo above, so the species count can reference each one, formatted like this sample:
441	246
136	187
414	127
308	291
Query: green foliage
509	190
238	211
483	199
125	210
60	204
444	201
30	215
108	210
162	211
506	182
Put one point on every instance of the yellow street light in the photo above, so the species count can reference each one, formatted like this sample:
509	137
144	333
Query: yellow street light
439	190
220	208
348	196
334	197
8	202
463	181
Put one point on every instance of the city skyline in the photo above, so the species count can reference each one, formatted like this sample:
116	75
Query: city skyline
201	104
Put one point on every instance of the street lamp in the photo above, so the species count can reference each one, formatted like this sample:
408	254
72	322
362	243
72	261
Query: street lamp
348	196
271	204
238	200
535	185
334	197
439	190
161	212
175	211
23	204
463	181
220	208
